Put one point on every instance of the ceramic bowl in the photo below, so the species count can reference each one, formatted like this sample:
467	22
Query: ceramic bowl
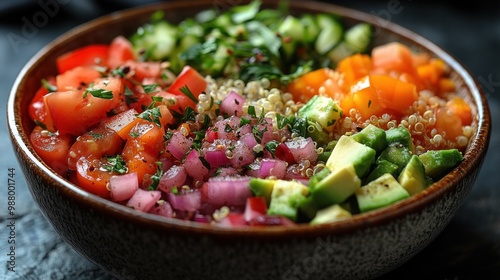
133	245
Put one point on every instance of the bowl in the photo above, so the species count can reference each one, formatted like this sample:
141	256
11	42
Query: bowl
129	244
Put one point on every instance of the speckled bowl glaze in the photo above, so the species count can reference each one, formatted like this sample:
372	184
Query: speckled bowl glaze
133	245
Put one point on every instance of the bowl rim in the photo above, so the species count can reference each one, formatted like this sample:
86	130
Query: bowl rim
473	156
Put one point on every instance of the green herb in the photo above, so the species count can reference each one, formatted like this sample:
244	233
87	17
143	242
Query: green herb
271	146
41	124
116	164
300	127
148	89
49	87
228	128
244	121
98	92
96	136
134	134
251	111
155	178
168	135
187	92
151	114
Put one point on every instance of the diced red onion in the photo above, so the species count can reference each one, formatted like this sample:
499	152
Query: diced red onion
215	153
174	177
303	149
226	191
242	155
178	145
249	140
272	167
226	128
232	104
123	187
143	200
194	166
163	209
190	201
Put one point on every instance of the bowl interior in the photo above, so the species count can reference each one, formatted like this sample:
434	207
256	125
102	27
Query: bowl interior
103	29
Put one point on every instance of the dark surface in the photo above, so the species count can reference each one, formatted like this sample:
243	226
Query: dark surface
469	248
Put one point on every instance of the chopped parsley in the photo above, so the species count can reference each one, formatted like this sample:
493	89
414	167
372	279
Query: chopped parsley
116	164
98	92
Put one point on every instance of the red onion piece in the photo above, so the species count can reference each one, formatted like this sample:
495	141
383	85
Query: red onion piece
178	145
303	149
123	187
194	166
232	104
272	167
190	201
144	200
163	209
226	191
173	177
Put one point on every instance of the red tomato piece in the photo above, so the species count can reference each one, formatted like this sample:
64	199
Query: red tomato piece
96	54
91	177
120	51
77	78
37	109
191	78
74	112
139	158
98	142
52	148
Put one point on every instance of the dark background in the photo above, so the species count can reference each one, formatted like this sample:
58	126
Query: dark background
469	248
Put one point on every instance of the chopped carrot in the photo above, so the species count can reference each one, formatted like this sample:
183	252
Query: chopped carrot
307	86
448	123
353	68
393	93
393	57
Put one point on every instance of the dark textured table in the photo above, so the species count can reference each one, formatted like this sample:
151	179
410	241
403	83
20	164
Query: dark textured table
469	248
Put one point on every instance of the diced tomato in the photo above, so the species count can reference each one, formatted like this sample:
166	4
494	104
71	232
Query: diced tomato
78	78
460	108
144	69
139	158
194	81
37	109
148	133
393	93
121	123
52	148
96	54
448	123
283	152
233	219
73	113
366	101
92	178
96	143
353	68
307	85
392	58
120	51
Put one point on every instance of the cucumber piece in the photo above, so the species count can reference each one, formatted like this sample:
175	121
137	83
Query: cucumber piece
381	192
159	39
322	110
358	37
330	35
311	28
438	163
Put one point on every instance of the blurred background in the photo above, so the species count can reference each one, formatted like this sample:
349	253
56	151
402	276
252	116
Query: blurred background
469	248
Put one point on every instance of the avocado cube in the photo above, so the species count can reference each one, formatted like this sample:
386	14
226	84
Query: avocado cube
330	214
348	151
381	192
397	154
439	162
412	178
285	198
336	187
382	167
262	187
399	135
373	137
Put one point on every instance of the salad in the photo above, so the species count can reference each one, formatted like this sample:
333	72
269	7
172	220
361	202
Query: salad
251	117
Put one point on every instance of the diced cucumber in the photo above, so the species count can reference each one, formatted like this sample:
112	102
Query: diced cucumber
358	37
311	28
330	35
158	39
321	109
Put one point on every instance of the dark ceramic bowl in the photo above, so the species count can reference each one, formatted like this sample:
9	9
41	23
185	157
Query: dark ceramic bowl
133	245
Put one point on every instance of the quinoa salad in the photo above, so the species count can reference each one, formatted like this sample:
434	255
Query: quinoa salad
251	117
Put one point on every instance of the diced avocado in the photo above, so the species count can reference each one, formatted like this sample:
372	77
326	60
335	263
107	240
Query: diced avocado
382	167
330	214
307	208
262	187
336	187
397	154
381	192
322	110
285	198
439	162
327	151
412	178
399	135
373	137
348	151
